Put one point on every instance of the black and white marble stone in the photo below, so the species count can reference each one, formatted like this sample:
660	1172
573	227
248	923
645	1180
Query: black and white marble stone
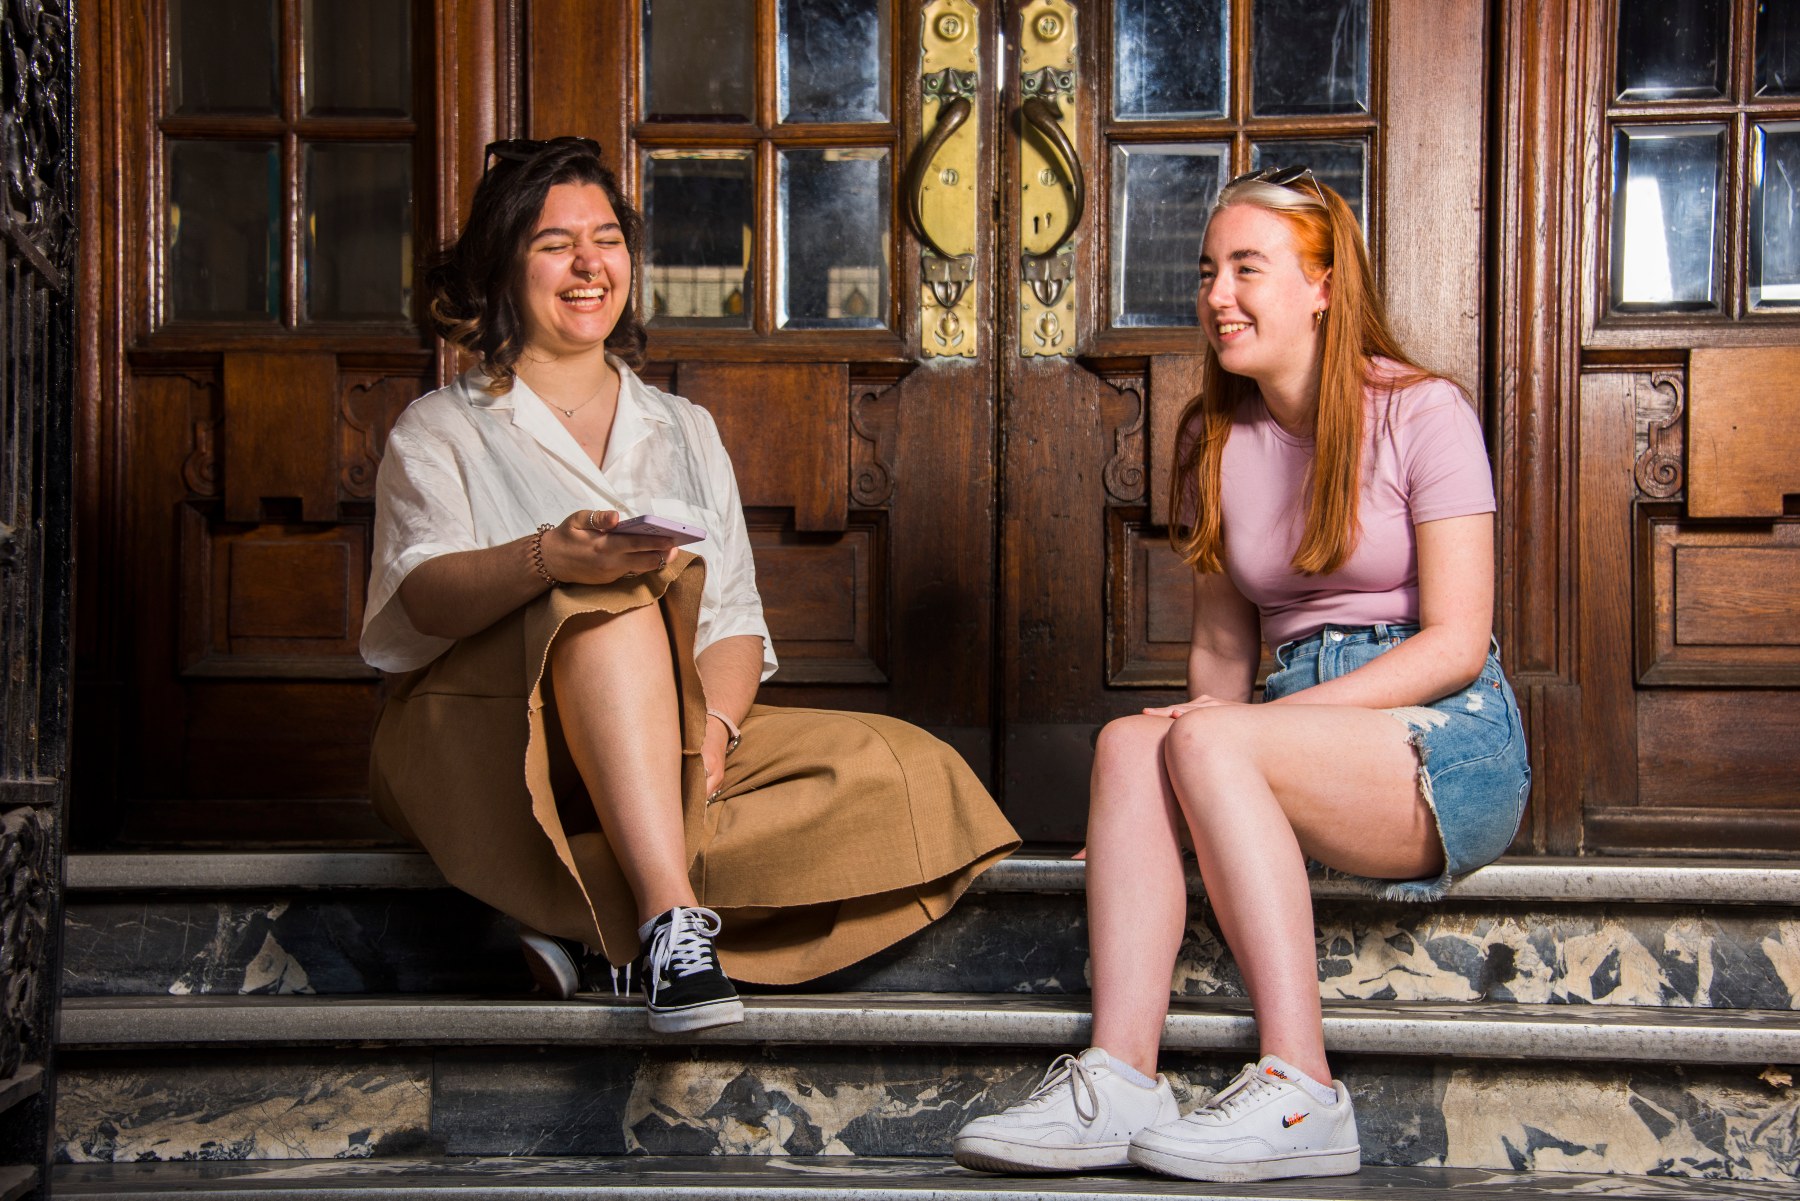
258	1107
807	1178
1643	1119
397	942
438	941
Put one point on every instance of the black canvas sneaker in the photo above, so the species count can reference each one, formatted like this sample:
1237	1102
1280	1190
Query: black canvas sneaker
687	988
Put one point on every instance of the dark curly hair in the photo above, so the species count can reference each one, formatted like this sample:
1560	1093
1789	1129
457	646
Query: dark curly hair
474	283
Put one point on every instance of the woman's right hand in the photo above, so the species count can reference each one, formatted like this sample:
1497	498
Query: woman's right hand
583	549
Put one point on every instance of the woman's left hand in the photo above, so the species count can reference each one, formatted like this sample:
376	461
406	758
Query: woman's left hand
1200	702
712	754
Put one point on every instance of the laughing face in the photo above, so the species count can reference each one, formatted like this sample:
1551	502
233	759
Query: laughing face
577	272
1256	304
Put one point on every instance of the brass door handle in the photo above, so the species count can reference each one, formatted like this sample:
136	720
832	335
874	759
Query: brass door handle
950	119
1042	116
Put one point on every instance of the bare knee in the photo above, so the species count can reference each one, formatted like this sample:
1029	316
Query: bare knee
1130	746
1203	739
600	633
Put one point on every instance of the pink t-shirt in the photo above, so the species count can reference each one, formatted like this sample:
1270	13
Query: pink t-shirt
1423	460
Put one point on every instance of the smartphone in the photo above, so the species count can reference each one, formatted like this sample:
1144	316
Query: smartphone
678	532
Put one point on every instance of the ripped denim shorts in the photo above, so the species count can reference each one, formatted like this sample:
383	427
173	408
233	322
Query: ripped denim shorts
1473	770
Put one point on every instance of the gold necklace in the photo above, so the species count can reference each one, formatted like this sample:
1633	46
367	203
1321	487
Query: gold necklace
570	413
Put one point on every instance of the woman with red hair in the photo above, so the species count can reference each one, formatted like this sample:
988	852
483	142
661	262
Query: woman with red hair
1336	504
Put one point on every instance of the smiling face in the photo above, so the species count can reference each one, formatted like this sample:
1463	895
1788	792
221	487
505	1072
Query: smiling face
577	277
1256	303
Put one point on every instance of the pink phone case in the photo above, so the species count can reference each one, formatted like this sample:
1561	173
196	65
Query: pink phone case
678	532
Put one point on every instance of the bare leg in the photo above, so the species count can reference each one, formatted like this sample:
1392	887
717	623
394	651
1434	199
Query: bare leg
1136	893
615	693
1265	787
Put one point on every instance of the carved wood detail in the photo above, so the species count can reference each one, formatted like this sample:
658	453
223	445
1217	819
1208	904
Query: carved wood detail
368	406
1124	473
1660	401
200	470
874	420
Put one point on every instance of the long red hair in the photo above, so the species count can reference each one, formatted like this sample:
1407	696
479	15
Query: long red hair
1355	331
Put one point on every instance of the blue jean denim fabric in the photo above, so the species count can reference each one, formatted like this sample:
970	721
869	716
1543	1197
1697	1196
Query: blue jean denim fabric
1473	770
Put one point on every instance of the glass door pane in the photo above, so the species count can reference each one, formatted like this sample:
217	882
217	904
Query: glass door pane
833	64
1666	216
699	210
834	238
698	63
1171	58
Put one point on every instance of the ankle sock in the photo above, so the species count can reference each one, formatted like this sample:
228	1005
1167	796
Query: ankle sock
644	930
1125	1070
1323	1094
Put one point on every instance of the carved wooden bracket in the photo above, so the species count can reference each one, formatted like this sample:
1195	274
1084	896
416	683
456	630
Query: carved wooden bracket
200	470
1124	473
368	406
1659	466
874	422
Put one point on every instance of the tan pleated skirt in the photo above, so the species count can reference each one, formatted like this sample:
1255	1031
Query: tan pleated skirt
833	836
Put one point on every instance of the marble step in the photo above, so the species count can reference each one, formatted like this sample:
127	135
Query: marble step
1488	1030
668	1098
1684	933
806	1178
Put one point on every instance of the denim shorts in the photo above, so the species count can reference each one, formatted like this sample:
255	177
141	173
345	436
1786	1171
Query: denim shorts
1473	771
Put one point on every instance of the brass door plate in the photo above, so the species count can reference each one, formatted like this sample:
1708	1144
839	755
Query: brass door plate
1046	199
950	69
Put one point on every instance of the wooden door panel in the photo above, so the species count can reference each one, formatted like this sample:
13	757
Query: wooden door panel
248	689
825	598
1743	442
280	436
1717	748
787	426
1688	653
1716	602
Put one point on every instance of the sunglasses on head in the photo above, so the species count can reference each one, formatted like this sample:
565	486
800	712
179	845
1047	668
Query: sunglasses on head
1281	177
523	150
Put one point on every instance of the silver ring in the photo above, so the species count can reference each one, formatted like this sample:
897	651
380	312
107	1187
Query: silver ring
592	524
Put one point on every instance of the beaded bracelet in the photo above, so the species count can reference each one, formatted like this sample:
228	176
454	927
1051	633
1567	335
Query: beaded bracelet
537	554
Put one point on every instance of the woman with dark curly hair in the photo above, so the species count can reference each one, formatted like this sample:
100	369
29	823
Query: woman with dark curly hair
570	728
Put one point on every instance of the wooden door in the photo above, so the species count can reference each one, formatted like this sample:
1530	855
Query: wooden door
1384	101
1648	228
769	146
262	180
953	471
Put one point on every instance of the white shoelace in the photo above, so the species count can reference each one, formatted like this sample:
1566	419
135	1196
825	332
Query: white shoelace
1081	1082
1245	1089
681	947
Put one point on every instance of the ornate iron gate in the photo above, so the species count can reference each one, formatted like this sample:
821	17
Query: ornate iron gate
37	404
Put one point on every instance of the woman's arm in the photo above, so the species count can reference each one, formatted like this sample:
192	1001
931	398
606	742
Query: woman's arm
465	592
730	671
1225	648
1456	620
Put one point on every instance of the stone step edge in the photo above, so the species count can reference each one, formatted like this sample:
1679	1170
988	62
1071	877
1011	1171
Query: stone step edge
1665	881
809	1178
1478	1030
16	1180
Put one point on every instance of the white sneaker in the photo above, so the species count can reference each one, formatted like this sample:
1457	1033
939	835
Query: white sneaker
1261	1126
1082	1115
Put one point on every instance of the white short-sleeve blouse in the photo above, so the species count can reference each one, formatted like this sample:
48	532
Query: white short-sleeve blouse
465	470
